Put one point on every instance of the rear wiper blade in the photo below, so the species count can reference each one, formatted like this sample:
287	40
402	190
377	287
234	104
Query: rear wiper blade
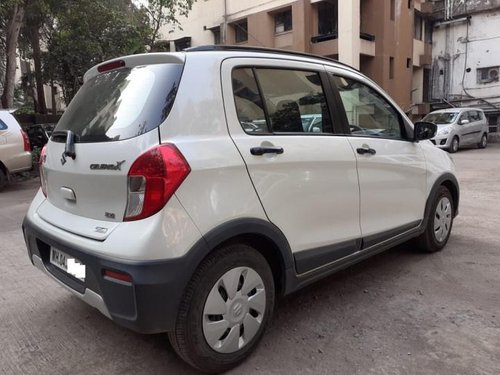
69	148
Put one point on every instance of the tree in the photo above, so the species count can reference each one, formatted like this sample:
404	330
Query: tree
36	17
163	12
88	32
13	11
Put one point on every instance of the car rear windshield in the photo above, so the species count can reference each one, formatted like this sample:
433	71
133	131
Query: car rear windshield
441	118
122	104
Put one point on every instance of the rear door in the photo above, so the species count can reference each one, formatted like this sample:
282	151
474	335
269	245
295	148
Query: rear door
114	118
305	176
391	168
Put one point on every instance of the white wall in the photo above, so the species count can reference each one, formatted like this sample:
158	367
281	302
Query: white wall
483	50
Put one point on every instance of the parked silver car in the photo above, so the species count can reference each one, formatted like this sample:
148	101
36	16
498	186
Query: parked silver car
459	127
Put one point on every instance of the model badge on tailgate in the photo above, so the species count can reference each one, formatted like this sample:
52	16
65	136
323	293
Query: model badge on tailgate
111	167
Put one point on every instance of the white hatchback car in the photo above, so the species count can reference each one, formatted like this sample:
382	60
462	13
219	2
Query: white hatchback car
459	127
181	192
15	155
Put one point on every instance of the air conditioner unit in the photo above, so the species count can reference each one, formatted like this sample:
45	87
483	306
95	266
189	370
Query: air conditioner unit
493	74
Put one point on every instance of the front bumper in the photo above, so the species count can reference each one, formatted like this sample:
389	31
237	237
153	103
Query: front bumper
148	304
441	141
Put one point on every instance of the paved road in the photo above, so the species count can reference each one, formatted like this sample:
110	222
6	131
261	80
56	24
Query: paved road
400	312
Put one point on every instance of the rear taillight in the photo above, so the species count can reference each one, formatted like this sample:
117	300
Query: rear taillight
26	141
43	177
153	179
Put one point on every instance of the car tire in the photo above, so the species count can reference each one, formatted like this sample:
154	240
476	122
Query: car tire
219	325
483	142
439	223
455	144
4	180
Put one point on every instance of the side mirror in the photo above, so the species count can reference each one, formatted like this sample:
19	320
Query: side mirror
424	130
464	121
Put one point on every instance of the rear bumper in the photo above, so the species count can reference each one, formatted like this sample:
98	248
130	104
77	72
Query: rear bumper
148	304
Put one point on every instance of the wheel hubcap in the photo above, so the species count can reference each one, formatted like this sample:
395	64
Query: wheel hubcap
442	219
455	144
234	310
483	141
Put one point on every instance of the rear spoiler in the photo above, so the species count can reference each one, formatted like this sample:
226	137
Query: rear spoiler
136	60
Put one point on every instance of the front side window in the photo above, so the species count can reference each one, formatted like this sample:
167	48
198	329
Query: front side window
369	114
474	116
288	101
463	117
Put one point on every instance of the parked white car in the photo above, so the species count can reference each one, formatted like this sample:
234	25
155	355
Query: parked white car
181	192
458	127
15	151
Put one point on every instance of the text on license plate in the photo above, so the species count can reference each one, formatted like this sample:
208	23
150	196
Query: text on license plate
67	263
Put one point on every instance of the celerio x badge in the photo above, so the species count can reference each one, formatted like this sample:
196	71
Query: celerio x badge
111	167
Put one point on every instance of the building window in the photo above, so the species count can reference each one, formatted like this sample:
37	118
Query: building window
391	67
216	32
418	27
410	3
488	75
240	31
283	21
428	32
393	10
408	62
327	17
182	43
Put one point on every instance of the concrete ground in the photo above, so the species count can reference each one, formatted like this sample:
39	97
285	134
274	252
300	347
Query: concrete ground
400	312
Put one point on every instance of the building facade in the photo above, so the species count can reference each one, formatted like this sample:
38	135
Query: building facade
388	40
466	56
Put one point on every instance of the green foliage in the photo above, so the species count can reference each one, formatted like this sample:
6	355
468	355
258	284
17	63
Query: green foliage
88	32
163	12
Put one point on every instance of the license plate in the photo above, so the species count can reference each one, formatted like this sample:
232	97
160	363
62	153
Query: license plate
67	263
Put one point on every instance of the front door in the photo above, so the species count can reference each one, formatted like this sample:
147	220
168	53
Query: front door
391	168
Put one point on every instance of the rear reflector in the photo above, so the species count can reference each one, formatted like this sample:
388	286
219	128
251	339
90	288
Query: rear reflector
110	66
153	179
121	276
26	141
43	177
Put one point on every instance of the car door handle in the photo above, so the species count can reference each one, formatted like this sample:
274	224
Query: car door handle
266	150
366	150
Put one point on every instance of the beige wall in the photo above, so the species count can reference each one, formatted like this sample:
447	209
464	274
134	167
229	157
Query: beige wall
393	38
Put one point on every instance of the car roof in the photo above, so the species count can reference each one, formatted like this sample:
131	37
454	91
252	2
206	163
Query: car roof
232	50
456	109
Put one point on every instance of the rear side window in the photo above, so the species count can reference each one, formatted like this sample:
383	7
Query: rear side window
122	103
3	125
280	101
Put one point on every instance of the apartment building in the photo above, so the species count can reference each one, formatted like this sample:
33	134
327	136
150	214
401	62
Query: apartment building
388	40
466	56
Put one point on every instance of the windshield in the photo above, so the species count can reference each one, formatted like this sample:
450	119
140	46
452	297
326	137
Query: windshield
122	103
441	117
